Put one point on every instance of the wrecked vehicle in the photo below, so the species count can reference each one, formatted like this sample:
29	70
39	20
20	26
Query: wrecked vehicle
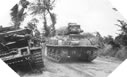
17	49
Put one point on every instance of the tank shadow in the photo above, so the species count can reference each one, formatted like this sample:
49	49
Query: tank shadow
71	61
25	68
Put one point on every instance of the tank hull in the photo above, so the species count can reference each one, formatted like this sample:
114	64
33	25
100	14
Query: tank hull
63	53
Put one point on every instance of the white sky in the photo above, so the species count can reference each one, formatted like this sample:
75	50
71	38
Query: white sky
92	15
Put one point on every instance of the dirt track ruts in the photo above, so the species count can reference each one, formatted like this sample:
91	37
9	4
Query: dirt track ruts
98	68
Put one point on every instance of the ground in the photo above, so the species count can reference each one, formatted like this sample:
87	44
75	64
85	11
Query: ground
100	67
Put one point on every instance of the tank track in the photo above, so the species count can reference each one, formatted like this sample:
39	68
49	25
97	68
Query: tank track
53	54
91	55
37	59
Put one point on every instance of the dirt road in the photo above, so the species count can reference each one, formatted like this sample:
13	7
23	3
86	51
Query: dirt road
98	68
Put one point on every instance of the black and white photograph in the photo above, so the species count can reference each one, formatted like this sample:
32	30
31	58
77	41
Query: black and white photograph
62	38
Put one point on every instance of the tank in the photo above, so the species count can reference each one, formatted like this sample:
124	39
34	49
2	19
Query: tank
17	49
72	45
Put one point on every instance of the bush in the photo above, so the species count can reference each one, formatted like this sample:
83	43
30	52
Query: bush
108	50
122	53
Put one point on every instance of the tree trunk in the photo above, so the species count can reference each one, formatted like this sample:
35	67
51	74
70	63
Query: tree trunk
45	25
53	23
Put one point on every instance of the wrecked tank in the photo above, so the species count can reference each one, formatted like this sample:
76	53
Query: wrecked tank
17	49
72	45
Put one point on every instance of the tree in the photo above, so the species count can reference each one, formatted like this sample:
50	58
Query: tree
108	39
32	26
100	39
61	30
123	26
49	6
17	16
34	20
122	37
44	8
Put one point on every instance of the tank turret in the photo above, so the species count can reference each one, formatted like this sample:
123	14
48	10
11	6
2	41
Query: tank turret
74	28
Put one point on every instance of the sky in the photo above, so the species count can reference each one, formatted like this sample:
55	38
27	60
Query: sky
92	15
